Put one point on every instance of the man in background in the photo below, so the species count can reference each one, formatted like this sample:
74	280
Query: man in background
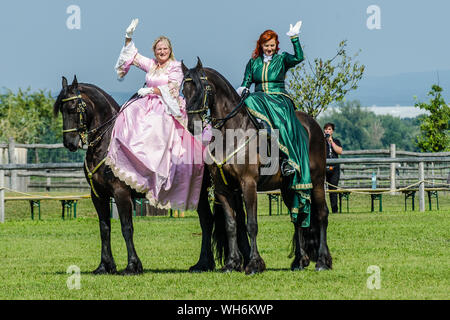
334	149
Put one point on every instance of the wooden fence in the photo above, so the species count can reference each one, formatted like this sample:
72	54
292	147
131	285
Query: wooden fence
392	169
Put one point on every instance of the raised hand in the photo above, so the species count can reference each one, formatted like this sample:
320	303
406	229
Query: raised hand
131	28
294	30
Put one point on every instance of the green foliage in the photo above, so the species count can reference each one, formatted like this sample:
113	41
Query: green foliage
410	249
434	127
315	87
27	117
360	129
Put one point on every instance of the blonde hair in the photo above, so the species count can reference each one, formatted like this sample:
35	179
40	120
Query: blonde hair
167	41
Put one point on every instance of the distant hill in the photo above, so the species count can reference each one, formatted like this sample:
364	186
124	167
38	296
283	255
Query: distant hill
396	90
400	89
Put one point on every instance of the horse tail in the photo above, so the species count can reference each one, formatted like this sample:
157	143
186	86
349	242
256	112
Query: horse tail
311	235
311	238
220	239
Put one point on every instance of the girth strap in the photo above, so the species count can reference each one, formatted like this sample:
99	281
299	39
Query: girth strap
90	174
220	164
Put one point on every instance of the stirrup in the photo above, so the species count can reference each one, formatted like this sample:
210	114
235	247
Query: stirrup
286	168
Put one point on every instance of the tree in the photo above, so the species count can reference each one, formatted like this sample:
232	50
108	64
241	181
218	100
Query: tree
28	118
434	127
315	87
360	129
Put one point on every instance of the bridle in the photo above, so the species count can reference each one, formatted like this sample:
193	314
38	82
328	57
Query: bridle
205	98
82	128
206	91
82	124
219	123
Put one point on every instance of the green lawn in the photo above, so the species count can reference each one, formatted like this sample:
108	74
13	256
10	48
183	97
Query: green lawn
410	248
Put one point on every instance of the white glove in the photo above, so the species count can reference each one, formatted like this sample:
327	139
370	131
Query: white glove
294	30
142	92
131	28
241	90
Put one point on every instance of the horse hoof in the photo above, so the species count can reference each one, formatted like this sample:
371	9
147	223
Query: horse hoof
322	268
255	266
201	267
104	269
231	268
133	269
299	264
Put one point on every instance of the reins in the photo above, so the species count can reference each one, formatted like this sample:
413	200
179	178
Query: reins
206	89
84	133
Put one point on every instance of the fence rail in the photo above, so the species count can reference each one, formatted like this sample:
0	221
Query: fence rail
357	167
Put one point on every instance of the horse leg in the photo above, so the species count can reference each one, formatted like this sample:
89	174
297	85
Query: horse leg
324	260
256	263
242	238
206	260
124	206
107	264
233	260
301	259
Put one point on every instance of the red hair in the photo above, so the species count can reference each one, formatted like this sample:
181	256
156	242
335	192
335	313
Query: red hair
264	37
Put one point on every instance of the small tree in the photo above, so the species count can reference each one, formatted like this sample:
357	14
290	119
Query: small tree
315	87
434	127
27	117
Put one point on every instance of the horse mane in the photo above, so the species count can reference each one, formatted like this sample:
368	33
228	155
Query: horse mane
98	95
226	83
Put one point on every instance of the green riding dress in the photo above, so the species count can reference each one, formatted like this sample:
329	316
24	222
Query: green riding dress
271	103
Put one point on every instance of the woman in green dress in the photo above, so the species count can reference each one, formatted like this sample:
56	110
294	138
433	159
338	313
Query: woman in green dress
272	104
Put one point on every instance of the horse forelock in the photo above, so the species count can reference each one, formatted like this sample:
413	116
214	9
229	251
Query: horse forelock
95	94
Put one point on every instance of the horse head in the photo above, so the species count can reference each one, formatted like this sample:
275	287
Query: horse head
197	91
73	110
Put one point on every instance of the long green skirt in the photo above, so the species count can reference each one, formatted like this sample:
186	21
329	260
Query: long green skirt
277	110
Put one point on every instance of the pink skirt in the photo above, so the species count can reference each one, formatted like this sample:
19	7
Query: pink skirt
155	154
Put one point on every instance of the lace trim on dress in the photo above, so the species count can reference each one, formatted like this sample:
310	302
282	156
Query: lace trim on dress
125	177
171	103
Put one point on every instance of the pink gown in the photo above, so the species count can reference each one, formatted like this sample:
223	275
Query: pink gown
151	150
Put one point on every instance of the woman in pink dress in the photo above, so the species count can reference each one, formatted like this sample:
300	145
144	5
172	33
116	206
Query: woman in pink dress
151	150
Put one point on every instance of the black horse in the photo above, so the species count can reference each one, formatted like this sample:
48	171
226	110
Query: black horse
207	91
88	115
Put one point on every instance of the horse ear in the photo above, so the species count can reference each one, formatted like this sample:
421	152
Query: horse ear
199	64
183	67
75	82
64	83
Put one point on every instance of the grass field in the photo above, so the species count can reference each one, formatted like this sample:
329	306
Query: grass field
410	248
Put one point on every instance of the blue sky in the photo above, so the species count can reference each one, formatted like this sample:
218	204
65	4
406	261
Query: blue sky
38	48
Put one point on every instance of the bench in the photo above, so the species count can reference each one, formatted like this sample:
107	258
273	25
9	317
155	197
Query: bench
431	192
375	195
68	203
276	196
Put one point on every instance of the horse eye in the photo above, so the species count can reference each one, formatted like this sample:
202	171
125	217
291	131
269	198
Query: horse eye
71	109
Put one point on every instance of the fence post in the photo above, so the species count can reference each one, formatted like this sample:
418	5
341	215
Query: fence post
49	181
421	187
392	178
2	196
12	159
